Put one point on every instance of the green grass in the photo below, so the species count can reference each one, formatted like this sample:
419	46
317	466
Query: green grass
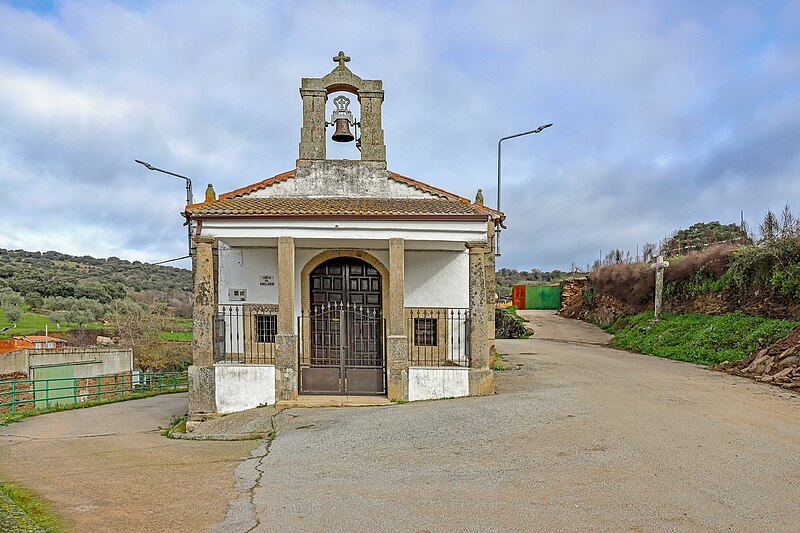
697	338
501	362
34	323
6	419
34	508
176	335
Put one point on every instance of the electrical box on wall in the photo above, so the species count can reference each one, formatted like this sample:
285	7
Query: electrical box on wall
237	295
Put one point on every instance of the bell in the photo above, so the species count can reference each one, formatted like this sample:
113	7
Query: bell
342	133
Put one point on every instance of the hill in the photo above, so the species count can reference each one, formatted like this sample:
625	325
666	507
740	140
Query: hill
53	274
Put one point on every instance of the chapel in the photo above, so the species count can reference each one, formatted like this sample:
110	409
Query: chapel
340	277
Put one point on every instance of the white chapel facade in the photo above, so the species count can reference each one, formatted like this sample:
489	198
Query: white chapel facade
340	277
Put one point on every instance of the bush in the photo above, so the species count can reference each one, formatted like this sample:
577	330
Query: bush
508	324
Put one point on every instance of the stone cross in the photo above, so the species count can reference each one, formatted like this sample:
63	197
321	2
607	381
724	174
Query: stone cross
341	58
659	265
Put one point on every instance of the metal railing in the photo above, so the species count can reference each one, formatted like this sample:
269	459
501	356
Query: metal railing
245	335
437	336
43	394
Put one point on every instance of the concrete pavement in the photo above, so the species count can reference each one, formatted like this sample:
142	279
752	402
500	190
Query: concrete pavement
581	437
108	468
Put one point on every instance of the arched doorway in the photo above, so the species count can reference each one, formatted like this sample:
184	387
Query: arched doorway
344	351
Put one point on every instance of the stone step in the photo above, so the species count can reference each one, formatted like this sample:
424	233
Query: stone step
333	401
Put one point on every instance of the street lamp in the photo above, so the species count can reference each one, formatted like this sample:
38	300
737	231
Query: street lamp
189	197
499	154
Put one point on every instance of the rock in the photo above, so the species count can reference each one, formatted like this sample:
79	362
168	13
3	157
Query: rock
792	360
787	352
766	379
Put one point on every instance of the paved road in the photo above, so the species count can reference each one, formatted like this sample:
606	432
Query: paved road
581	437
108	468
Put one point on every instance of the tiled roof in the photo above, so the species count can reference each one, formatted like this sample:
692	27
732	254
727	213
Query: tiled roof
381	207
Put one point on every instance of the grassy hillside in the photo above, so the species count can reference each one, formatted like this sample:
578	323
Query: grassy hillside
698	338
57	274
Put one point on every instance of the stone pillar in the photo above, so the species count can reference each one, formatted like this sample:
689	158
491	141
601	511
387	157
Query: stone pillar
491	291
481	377
312	134
396	342
286	367
202	398
372	147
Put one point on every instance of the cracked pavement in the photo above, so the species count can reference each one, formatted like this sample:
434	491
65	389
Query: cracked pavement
580	437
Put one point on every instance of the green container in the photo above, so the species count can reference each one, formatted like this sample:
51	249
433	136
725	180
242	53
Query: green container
543	297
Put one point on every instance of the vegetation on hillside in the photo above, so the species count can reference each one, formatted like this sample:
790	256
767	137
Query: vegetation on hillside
769	266
139	304
698	338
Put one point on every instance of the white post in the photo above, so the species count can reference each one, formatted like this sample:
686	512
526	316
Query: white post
659	266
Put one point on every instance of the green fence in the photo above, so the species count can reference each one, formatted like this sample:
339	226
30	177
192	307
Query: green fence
543	297
59	389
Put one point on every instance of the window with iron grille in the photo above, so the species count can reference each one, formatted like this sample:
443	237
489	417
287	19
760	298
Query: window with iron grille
266	328
425	331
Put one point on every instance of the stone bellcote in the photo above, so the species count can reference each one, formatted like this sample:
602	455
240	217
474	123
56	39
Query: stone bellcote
315	93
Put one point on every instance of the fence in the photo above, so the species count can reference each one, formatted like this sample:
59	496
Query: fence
245	335
437	337
24	394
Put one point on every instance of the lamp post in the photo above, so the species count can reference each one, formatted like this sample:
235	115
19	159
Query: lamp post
189	196
499	174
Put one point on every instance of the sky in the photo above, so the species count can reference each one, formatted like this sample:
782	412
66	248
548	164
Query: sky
665	113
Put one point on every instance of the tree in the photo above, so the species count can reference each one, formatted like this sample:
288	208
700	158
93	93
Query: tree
702	234
13	313
770	228
788	224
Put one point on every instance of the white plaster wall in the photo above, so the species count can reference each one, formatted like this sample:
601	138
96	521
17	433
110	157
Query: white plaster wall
242	268
437	279
431	383
242	387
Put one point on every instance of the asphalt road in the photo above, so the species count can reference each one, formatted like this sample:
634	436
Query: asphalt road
580	438
108	468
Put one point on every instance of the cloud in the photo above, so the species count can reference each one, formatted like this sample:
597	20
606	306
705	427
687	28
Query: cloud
665	114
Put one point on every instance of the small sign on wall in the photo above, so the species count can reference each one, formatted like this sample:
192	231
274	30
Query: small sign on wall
267	280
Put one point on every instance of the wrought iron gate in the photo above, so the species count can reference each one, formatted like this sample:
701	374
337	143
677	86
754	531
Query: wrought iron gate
342	350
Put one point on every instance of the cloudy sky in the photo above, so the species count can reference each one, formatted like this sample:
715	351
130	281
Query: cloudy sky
666	113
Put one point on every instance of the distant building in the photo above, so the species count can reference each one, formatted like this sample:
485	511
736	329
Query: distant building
31	342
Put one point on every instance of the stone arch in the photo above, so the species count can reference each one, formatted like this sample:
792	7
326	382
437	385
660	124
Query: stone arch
317	260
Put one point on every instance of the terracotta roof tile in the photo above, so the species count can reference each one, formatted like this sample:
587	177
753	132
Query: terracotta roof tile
276	207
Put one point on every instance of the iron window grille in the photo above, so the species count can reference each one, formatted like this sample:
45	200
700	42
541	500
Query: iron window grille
266	328
425	331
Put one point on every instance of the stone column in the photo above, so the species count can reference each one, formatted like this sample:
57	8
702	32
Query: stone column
202	398
491	290
312	134
372	147
481	377
396	342
286	368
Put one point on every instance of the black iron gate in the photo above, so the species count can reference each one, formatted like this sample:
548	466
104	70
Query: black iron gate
342	350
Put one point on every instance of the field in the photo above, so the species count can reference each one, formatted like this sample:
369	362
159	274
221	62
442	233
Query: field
31	323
